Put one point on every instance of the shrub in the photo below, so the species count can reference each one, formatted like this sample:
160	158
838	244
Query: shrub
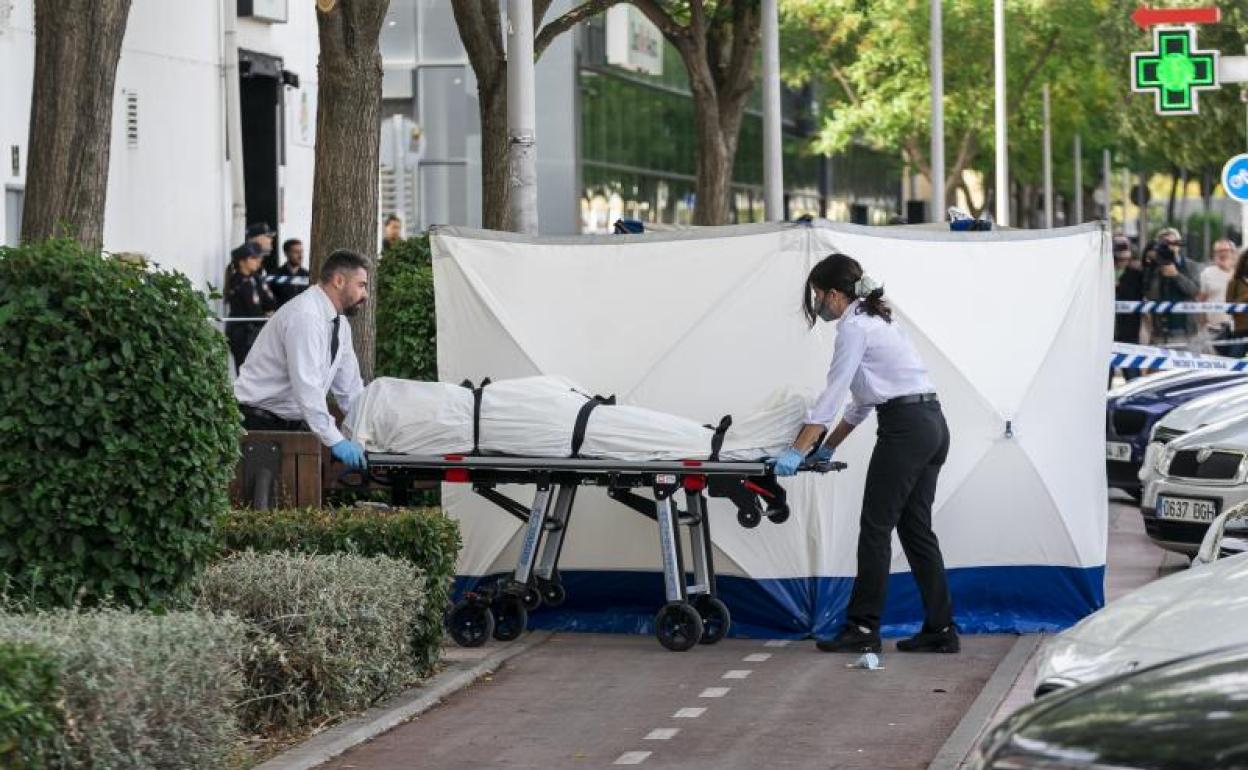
138	690
330	634
31	720
118	428
407	343
426	538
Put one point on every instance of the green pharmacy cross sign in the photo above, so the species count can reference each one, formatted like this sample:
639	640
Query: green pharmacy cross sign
1174	71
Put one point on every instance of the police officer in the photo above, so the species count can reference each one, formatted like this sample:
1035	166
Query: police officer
303	353
247	295
876	366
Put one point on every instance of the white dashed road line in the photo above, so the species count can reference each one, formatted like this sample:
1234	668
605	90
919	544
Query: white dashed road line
714	692
692	712
737	673
662	733
757	657
632	758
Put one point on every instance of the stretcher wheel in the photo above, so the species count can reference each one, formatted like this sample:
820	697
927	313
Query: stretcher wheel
716	620
531	598
470	623
554	594
778	515
749	517
510	618
678	626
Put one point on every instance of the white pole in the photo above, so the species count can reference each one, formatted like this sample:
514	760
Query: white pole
1243	207
1003	156
1078	207
1106	177
938	115
234	125
521	116
773	156
1048	162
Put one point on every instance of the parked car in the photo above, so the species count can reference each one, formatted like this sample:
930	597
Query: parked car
1193	479
1186	714
1133	409
1193	611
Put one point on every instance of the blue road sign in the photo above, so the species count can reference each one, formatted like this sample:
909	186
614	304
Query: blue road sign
1235	178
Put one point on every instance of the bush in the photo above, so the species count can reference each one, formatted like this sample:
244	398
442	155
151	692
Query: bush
118	428
426	538
407	331
31	720
330	634
137	690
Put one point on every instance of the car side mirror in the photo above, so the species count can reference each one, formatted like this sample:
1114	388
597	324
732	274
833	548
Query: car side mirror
1216	544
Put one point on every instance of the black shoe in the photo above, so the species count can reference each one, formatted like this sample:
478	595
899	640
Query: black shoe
943	640
852	638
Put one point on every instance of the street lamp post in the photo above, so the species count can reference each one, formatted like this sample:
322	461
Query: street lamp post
1048	162
521	116
938	115
773	156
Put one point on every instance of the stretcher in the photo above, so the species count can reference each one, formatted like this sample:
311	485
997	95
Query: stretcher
692	614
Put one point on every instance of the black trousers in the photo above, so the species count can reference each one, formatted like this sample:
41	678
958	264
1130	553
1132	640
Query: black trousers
910	448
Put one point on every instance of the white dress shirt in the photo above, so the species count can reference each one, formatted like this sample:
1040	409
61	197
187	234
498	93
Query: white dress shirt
288	371
873	362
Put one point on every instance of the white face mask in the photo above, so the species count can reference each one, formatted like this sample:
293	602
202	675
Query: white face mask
826	312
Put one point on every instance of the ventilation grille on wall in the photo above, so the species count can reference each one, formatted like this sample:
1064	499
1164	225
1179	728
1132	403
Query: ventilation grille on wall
132	117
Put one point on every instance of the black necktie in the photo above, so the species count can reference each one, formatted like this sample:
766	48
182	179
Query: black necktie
333	339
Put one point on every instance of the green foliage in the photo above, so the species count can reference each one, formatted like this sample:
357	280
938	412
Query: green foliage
134	690
118	428
406	327
425	538
330	634
30	715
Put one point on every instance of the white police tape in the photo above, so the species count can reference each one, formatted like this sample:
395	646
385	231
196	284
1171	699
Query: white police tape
288	280
1136	308
1125	356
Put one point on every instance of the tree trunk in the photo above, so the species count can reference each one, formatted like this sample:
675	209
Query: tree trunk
1174	191
495	157
348	135
77	45
714	162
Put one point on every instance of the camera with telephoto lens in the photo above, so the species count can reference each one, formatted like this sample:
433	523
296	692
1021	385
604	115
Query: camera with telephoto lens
1165	254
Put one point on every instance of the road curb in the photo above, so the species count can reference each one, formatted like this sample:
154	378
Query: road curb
323	747
975	721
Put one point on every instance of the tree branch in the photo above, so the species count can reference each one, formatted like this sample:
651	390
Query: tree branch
1049	46
839	74
673	30
567	21
540	7
746	29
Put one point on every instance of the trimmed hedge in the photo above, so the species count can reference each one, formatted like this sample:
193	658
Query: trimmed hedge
329	634
407	344
118	427
31	719
424	537
129	690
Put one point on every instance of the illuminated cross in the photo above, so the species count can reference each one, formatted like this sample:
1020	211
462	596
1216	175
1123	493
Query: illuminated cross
1174	71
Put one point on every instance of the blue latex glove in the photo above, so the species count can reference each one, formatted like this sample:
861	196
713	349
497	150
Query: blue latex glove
349	453
822	455
787	462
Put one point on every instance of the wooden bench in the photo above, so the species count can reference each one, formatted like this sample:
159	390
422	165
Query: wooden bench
290	464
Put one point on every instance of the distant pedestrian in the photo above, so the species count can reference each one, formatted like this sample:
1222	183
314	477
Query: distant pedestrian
247	295
1173	278
292	277
392	232
1214	281
1237	291
1128	287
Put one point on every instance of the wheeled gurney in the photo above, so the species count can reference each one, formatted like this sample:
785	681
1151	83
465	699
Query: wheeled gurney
693	613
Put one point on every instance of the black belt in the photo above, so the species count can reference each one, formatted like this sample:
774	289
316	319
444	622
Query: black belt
916	398
262	419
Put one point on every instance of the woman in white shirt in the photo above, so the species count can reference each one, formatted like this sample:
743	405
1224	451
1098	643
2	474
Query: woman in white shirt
874	364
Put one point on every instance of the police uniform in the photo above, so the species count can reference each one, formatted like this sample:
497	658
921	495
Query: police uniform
876	367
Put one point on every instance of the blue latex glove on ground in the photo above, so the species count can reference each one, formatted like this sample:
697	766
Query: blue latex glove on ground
787	462
822	455
349	453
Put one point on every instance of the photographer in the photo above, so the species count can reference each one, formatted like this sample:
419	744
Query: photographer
1171	277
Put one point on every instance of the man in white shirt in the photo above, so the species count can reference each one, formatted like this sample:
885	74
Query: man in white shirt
304	352
1213	282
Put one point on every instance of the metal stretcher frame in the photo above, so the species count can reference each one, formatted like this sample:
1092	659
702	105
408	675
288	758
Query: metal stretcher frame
693	613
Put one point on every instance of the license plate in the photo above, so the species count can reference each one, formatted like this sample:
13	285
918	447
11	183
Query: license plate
1187	509
1118	450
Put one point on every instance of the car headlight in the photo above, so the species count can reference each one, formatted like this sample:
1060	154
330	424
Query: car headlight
1163	461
